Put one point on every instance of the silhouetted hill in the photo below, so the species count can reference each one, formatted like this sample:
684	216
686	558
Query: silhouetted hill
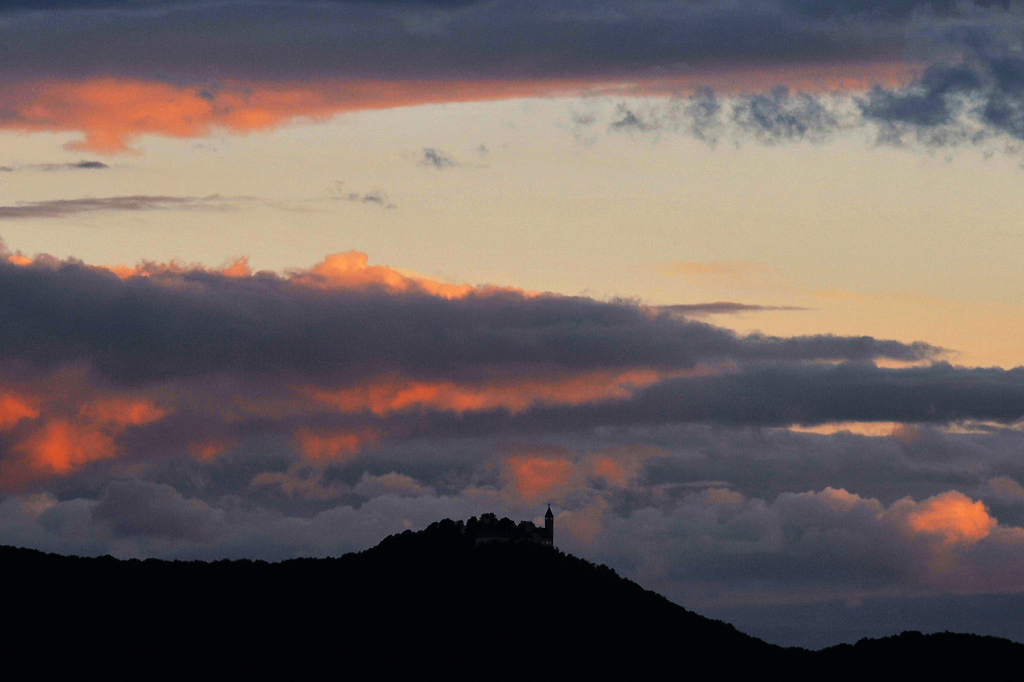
416	605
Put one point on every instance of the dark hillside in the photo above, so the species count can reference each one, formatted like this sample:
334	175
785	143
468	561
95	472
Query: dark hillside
417	603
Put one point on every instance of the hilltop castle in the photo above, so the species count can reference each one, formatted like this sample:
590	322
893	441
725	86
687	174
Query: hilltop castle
488	528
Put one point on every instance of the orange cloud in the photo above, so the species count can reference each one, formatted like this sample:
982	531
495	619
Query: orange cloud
841	500
873	429
830	77
208	450
620	465
300	481
610	470
122	412
350	271
534	477
952	516
237	268
334	446
14	408
70	425
112	112
62	446
722	496
382	396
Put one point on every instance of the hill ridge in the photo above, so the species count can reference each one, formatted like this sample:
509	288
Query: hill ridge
417	601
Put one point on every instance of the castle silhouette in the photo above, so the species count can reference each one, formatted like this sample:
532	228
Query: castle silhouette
489	528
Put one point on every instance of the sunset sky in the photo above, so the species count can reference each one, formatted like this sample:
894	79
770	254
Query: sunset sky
734	285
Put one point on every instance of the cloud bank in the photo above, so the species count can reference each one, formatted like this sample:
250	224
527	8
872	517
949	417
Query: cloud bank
62	208
775	55
191	412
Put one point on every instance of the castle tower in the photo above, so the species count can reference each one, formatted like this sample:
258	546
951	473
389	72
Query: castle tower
549	527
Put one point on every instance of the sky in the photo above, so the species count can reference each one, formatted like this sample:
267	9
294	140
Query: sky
733	285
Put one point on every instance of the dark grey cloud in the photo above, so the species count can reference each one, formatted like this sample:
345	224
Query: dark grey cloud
155	510
760	463
974	98
62	208
174	324
824	7
497	39
885	8
48	167
435	158
629	121
810	393
772	117
679	535
722	519
515	40
721	308
967	101
375	197
778	116
40	5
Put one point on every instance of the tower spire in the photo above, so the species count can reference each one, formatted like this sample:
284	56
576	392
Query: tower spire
549	526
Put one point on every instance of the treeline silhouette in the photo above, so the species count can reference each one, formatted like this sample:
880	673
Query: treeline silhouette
418	605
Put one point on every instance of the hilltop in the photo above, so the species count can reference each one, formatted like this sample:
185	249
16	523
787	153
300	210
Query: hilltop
417	603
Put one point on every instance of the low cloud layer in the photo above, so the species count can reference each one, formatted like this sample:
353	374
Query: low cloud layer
688	511
185	412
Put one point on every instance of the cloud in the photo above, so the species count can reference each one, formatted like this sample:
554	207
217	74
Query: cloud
688	511
347	357
793	547
50	167
421	41
331	353
62	208
344	318
972	95
335	446
110	113
138	508
629	121
188	412
390	484
13	409
435	158
784	71
954	517
966	101
807	394
356	56
536	475
721	308
48	436
779	116
374	197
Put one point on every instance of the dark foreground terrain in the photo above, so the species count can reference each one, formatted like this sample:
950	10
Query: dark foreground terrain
418	605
